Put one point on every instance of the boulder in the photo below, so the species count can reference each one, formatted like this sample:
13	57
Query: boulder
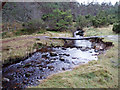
62	59
53	54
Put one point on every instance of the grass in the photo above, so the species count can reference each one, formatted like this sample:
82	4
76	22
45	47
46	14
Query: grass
15	49
21	46
96	74
91	31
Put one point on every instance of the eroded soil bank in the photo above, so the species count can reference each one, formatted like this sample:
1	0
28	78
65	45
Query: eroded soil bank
51	60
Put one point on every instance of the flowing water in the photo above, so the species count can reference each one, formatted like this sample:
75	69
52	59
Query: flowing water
50	60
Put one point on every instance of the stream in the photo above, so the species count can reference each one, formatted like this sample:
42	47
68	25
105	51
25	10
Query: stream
51	60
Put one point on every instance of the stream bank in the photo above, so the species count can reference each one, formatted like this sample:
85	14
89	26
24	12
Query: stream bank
51	60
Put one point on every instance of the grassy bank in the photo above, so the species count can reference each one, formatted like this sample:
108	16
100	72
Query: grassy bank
20	46
96	74
91	31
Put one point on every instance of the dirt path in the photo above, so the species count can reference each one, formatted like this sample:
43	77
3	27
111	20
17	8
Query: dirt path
22	38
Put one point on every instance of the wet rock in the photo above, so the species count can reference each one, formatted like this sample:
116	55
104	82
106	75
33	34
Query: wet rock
60	54
83	49
90	51
6	80
31	71
66	54
44	66
47	62
38	77
109	44
38	80
53	54
56	46
95	54
28	74
18	67
80	32
73	63
39	65
63	68
41	77
74	57
40	68
25	82
63	48
51	68
67	61
96	50
52	60
62	59
78	47
45	56
27	65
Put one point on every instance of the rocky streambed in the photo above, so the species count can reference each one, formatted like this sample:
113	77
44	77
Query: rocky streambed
51	60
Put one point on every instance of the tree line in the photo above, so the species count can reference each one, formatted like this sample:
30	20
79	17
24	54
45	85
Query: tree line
61	16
